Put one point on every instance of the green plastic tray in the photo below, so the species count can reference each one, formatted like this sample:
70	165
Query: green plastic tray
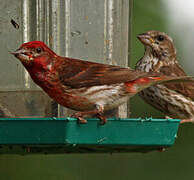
65	135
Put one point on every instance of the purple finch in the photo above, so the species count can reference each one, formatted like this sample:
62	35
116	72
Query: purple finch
87	87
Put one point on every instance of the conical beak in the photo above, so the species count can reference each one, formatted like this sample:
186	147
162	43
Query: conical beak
146	39
22	54
19	51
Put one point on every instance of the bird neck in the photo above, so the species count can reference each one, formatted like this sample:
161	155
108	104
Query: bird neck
39	68
153	60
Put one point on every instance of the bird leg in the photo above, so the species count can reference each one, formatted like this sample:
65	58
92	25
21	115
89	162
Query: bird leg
186	121
167	117
98	112
183	120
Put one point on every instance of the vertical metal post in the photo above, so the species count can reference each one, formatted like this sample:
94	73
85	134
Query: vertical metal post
86	29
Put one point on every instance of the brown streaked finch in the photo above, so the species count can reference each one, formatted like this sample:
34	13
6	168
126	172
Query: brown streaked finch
174	100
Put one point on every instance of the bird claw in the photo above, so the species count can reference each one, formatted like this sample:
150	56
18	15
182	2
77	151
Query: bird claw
182	121
186	121
168	117
98	113
103	120
82	120
79	117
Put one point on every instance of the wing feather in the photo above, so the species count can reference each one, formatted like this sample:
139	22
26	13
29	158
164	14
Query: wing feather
79	73
186	88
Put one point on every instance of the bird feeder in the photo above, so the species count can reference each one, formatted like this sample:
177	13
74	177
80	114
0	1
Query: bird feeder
98	32
65	135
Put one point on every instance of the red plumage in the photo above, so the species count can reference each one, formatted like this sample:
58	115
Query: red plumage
88	87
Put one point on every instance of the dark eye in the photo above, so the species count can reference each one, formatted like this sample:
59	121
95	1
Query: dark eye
38	50
160	38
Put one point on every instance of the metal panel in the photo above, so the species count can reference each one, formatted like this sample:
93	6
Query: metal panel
86	29
10	70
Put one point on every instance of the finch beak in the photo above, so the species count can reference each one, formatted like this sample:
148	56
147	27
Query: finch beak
146	39
22	54
19	51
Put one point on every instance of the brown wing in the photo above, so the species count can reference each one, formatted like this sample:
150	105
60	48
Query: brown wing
186	89
79	73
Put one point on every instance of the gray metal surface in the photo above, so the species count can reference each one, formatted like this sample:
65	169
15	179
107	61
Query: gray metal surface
86	29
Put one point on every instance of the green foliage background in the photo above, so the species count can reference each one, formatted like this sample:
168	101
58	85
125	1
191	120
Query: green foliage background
146	15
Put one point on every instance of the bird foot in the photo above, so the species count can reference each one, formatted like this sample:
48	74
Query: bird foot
186	121
98	113
167	117
82	120
79	117
182	121
103	120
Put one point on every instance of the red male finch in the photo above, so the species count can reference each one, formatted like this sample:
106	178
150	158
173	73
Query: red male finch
174	100
87	87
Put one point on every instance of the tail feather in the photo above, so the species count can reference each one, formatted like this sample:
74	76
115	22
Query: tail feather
170	79
145	82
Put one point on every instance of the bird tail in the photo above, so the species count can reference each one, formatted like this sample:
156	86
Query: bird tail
169	79
144	82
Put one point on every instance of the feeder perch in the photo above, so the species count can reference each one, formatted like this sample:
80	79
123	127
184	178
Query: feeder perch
65	135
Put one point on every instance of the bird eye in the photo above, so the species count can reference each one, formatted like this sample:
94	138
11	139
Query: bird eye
38	50
160	38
